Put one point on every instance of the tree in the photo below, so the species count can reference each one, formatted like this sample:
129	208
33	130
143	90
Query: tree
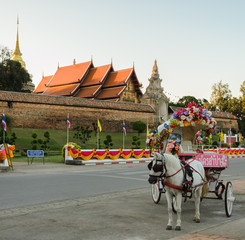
183	102
108	142
235	106
139	126
5	54
136	142
12	75
34	142
242	89
82	133
220	96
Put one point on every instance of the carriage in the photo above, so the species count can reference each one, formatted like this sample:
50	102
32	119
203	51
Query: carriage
192	119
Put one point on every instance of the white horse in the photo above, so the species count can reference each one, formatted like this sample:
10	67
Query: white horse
170	168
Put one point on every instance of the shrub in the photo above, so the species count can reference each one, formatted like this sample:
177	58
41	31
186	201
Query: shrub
136	142
224	145
108	142
235	145
139	126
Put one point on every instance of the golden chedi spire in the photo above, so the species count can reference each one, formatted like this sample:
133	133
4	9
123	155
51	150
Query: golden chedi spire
155	73
17	54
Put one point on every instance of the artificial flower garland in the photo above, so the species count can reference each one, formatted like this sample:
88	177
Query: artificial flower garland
185	117
173	146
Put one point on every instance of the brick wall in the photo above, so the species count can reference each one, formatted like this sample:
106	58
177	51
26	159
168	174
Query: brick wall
40	111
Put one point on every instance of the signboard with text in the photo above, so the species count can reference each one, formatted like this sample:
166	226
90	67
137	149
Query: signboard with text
35	153
213	160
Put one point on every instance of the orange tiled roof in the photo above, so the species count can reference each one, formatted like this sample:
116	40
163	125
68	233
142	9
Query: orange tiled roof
96	75
42	85
88	92
66	90
70	74
110	93
118	78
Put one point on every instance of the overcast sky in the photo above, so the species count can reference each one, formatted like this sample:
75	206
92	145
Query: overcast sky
196	43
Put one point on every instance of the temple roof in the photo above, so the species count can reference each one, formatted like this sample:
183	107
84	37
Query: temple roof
88	92
70	74
110	93
42	85
118	78
83	80
65	90
97	75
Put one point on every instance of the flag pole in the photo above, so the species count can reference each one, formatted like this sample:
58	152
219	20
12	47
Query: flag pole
3	136
4	128
98	133
123	135
67	128
123	140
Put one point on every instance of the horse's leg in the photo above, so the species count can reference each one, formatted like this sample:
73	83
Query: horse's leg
197	205
178	210
170	213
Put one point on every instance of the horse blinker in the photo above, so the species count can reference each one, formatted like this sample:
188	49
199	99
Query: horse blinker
158	168
149	165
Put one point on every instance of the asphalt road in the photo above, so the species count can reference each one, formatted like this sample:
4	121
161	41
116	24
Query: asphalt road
25	188
22	189
103	202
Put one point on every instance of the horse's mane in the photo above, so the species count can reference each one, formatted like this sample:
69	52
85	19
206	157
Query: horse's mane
171	159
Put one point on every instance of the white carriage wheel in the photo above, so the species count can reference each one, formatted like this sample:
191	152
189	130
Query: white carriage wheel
156	194
229	199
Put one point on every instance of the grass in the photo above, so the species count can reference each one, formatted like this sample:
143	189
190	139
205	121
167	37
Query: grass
47	159
58	139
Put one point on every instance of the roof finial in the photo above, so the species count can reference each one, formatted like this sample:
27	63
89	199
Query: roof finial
58	66
133	64
155	69
74	61
17	54
42	75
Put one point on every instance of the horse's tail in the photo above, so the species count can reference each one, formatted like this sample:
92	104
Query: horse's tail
205	189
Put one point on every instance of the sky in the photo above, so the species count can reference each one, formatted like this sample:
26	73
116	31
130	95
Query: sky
196	43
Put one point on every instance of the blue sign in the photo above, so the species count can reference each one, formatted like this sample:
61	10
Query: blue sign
35	153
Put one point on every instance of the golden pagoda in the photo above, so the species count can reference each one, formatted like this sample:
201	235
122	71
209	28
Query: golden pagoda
17	54
29	86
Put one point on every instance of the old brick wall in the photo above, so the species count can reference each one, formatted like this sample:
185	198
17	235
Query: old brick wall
40	111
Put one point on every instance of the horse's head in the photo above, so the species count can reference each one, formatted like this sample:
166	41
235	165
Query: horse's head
156	167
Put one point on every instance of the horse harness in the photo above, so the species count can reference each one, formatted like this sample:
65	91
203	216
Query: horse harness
187	172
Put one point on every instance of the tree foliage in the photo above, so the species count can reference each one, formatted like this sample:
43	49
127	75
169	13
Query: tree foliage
136	142
220	96
82	133
12	75
242	89
139	126
183	102
108	142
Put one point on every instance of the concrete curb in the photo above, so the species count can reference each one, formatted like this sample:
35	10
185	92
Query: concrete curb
236	156
122	161
108	161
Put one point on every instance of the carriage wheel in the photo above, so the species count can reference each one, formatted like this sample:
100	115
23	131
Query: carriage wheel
229	199
155	192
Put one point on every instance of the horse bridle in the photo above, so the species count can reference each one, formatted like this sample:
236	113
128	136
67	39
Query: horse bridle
158	167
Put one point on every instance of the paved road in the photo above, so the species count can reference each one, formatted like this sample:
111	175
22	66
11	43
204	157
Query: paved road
125	212
68	182
21	189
